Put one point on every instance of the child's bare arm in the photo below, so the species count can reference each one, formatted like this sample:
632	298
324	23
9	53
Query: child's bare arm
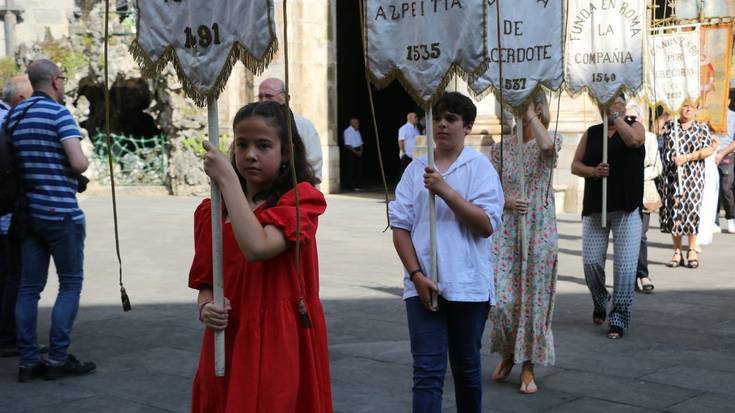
406	251
255	241
466	212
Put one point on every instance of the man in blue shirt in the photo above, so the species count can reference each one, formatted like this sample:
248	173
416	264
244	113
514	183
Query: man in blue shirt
47	144
16	90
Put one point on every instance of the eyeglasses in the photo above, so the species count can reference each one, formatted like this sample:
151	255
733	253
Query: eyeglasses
268	96
62	77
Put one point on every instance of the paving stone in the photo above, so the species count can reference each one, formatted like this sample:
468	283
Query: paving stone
615	389
107	404
706	403
587	404
678	356
695	378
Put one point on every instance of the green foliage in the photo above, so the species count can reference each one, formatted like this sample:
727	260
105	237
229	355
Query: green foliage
8	69
194	143
70	60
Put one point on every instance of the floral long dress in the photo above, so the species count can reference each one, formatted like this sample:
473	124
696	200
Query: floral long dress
521	320
682	204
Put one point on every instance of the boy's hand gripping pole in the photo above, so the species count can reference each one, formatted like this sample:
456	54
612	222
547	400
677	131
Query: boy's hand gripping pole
433	274
217	287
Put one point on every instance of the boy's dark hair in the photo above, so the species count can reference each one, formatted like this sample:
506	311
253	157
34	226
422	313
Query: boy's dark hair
277	116
458	103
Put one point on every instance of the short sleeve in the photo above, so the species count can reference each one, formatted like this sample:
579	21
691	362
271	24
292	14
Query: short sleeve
66	127
487	193
400	210
200	274
707	140
283	214
558	142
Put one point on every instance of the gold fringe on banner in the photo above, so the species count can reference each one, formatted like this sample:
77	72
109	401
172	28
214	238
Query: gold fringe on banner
454	69
237	53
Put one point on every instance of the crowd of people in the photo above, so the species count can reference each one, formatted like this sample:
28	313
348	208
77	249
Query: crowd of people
275	326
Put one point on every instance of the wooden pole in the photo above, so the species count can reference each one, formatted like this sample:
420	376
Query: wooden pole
603	215
433	273
521	191
218	290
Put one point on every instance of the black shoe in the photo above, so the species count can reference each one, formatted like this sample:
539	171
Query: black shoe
26	374
71	367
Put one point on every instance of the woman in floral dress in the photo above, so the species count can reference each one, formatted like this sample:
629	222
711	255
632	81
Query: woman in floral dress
521	331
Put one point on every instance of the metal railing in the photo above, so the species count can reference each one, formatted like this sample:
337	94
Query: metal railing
136	160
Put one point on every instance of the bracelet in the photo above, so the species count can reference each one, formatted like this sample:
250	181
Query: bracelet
414	272
201	308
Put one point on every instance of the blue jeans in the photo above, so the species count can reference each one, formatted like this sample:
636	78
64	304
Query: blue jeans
9	279
64	241
455	329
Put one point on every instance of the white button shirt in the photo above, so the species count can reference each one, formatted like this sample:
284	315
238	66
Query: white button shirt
352	137
464	259
312	143
408	133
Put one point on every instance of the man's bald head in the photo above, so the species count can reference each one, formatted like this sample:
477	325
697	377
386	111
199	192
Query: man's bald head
411	118
46	77
17	89
272	89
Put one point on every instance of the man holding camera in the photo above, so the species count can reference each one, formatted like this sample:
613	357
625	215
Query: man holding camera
47	145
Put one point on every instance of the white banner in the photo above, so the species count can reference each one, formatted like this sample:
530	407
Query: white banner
423	42
673	69
604	50
530	53
204	39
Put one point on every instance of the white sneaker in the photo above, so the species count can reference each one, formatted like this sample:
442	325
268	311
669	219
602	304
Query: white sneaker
731	226
716	229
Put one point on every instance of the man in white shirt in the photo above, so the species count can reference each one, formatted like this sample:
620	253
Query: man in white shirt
407	140
353	154
274	89
725	161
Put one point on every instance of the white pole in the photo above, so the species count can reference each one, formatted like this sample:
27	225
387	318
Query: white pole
521	191
219	300
603	217
433	273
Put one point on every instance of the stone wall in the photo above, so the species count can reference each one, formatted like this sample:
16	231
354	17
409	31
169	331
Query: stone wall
39	15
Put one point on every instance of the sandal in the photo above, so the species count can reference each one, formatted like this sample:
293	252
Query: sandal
529	387
677	260
615	333
646	288
502	371
598	317
692	262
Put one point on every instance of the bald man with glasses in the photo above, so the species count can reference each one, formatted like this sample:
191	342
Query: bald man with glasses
274	89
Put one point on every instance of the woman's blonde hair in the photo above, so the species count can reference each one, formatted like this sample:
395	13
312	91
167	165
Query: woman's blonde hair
539	99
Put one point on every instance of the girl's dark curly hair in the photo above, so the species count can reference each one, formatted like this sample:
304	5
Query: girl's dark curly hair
277	116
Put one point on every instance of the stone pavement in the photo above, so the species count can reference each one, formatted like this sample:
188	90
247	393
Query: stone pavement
678	357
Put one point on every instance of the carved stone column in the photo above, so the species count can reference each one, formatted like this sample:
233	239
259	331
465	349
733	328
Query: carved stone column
11	15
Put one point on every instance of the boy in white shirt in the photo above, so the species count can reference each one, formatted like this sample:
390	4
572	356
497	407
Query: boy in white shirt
469	204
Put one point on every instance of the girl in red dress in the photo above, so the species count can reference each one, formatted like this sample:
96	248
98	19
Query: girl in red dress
276	357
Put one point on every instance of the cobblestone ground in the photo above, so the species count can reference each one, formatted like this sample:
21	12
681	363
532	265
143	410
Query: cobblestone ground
679	355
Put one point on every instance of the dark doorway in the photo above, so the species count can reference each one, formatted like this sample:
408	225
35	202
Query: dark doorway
391	103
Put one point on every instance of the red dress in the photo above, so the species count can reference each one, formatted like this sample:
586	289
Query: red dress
273	364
